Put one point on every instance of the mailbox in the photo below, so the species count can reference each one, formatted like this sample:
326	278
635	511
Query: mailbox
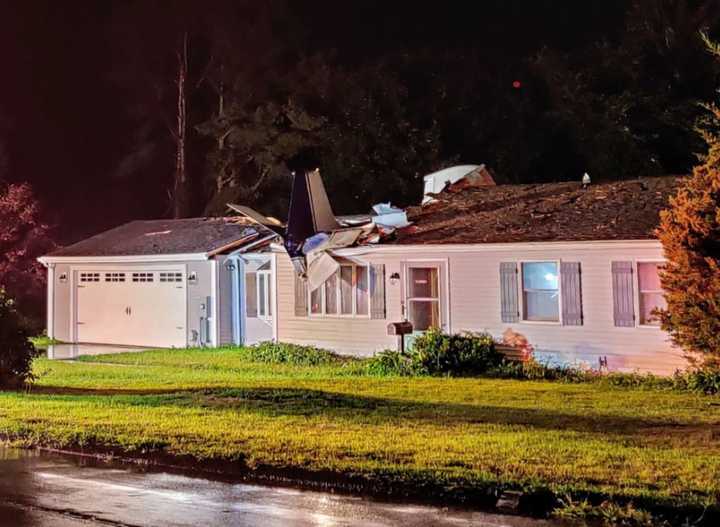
399	328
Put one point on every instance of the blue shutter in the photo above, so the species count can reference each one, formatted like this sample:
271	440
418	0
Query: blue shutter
572	314
623	294
509	292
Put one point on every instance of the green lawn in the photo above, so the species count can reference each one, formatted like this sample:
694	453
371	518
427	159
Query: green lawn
452	435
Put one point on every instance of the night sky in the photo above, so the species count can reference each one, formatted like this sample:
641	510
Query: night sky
64	118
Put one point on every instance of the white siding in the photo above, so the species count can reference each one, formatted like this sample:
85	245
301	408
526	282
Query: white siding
358	336
474	305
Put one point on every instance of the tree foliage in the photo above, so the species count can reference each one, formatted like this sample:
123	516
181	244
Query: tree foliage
23	238
690	234
16	351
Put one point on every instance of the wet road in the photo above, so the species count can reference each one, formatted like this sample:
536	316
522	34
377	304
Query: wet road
43	490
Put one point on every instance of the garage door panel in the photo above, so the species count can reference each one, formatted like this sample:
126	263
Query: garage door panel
132	307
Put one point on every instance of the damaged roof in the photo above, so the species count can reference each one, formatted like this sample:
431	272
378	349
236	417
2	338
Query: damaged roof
623	210
183	236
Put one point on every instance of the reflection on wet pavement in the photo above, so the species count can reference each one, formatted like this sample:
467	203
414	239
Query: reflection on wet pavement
67	491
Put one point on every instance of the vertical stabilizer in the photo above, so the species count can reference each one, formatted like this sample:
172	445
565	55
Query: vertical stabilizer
310	211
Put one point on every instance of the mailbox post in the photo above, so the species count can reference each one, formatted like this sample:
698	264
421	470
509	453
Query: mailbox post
400	329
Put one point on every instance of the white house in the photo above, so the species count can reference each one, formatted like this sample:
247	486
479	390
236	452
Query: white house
572	268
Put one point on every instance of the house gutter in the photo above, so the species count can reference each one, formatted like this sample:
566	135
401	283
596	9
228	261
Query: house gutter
138	258
490	247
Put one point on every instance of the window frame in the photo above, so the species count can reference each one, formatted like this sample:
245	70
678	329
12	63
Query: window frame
636	280
265	301
521	294
338	301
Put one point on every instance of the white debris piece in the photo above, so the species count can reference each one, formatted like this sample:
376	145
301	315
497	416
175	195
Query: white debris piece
321	266
388	216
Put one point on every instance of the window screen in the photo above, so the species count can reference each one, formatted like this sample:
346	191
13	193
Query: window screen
650	291
541	293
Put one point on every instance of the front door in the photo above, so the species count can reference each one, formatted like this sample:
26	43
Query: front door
425	292
258	301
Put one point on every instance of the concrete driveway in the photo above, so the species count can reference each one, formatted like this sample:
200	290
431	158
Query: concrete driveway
73	351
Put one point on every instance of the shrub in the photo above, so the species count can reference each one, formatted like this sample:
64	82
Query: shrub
435	353
284	353
389	362
705	381
16	350
607	514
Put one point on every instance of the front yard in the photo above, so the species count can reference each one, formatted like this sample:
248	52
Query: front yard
451	437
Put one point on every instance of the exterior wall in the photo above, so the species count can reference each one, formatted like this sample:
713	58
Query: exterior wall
61	304
62	296
357	336
473	296
225	278
198	294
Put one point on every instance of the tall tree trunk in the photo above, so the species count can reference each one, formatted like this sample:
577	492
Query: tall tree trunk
180	190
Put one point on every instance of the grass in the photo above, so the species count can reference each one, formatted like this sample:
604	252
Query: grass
453	436
43	341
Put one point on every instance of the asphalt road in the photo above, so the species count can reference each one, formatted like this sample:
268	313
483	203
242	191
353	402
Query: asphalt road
44	490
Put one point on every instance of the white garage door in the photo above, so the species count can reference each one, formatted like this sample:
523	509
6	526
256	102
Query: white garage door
131	307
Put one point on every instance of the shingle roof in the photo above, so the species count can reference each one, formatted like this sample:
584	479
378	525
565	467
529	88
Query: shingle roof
624	210
184	236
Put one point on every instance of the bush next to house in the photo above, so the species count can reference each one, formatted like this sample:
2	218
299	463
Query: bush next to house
690	234
285	353
436	353
16	350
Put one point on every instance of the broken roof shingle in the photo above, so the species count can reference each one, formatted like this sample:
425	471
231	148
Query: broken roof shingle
623	210
183	236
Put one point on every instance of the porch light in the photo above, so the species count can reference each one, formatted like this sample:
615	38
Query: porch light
394	278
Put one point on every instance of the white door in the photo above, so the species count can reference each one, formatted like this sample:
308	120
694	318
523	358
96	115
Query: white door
258	301
131	307
425	305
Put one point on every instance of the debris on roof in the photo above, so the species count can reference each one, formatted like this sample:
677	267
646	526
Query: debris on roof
313	231
623	210
455	179
256	217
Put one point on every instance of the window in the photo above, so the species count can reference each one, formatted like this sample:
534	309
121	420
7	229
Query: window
345	293
143	277
650	292
540	292
264	305
423	297
251	299
258	294
114	277
171	277
89	277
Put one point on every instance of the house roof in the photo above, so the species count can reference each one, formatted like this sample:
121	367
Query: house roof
157	237
624	210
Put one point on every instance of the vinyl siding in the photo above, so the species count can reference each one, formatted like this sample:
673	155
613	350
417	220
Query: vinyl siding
357	336
474	301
